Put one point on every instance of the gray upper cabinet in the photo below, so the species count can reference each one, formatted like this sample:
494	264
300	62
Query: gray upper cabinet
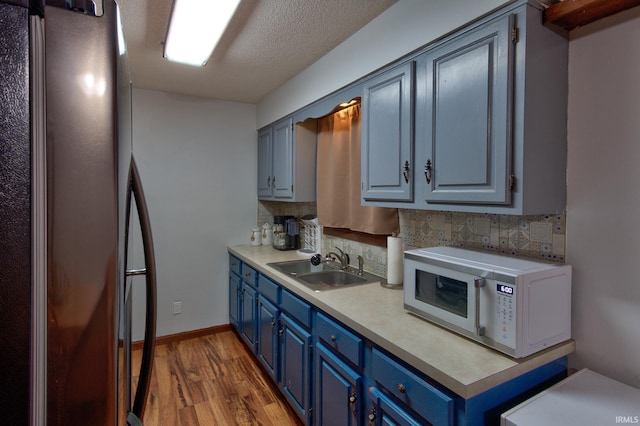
282	179
490	121
265	164
287	161
387	135
463	119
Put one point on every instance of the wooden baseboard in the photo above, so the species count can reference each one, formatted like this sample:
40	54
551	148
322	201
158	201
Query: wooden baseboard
163	340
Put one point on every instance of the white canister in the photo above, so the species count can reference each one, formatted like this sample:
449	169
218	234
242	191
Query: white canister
256	236
267	234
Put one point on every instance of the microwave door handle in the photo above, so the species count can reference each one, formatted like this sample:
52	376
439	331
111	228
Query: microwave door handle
477	284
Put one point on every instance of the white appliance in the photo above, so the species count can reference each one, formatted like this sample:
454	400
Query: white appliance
584	398
513	305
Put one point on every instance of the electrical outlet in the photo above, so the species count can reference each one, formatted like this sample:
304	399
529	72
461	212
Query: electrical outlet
177	308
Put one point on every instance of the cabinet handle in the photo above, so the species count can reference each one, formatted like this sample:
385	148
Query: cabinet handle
352	402
273	323
427	171
273	181
405	171
402	388
372	417
269	182
333	338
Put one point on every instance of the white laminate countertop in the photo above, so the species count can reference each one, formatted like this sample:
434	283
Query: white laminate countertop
377	313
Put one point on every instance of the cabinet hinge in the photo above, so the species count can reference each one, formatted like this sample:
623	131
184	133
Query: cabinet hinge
512	182
291	188
515	35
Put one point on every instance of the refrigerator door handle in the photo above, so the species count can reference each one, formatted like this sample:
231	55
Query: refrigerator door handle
146	367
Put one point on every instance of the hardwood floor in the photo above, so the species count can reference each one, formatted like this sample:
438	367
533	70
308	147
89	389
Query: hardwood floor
211	380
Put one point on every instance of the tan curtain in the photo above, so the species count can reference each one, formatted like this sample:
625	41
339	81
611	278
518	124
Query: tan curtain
338	178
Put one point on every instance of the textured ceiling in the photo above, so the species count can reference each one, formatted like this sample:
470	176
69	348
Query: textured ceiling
266	43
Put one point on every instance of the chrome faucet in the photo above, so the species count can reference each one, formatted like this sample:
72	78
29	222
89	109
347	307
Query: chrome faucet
342	257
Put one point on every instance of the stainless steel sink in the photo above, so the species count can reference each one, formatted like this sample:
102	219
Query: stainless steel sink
333	278
299	267
324	276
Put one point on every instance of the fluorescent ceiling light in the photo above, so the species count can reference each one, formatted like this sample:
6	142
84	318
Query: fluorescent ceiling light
195	28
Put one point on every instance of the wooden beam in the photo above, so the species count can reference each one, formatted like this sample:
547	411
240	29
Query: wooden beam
570	14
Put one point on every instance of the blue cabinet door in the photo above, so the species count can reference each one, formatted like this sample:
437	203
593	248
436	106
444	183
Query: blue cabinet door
387	136
265	163
338	391
267	345
283	159
234	300
295	361
248	302
464	117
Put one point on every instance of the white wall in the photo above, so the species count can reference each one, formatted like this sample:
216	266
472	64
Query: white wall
603	211
401	29
197	162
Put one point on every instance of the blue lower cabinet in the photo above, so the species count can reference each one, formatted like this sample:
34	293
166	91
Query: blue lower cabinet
382	411
295	363
234	300
412	391
235	265
248	302
337	390
347	380
267	344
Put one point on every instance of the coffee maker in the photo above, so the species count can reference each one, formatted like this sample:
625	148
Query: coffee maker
286	235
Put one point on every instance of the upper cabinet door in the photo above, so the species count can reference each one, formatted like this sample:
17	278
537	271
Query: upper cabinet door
463	117
283	158
387	136
265	164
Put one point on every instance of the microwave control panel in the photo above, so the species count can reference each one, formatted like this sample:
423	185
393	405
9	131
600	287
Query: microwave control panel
505	324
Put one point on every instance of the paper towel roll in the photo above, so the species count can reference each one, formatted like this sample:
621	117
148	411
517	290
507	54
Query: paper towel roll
395	256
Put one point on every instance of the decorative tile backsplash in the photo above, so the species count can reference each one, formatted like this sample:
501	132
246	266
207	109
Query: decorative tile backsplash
534	237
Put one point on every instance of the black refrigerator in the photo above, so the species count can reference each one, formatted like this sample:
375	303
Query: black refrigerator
68	185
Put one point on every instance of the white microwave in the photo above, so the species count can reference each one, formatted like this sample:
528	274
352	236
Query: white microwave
513	305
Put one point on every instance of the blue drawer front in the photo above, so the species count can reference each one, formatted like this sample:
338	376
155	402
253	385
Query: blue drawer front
429	402
249	275
296	308
269	289
234	264
388	413
340	339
